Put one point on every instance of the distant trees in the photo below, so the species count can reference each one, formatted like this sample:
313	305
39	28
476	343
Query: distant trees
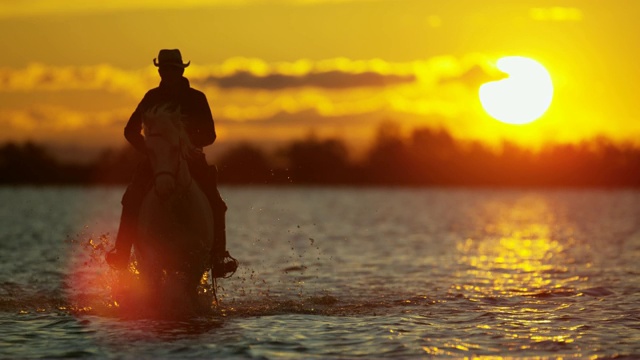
315	161
114	166
245	164
27	162
31	163
388	159
427	157
431	157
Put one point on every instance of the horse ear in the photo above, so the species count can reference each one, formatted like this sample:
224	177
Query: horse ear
162	108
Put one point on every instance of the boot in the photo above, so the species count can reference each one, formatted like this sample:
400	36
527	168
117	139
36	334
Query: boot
118	257
218	250
223	265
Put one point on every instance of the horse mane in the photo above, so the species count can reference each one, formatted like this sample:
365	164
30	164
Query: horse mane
162	120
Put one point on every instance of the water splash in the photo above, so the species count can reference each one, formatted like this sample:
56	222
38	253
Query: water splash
91	287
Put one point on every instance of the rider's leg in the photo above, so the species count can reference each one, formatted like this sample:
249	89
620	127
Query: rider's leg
207	177
219	208
119	256
127	231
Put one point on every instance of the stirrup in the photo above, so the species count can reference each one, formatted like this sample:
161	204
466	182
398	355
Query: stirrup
224	267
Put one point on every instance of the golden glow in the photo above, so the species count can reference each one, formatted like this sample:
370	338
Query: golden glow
556	13
46	7
518	254
522	97
517	257
103	71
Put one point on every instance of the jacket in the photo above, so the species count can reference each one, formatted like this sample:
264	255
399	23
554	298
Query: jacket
193	104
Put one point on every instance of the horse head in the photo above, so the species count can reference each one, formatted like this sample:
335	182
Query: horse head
167	146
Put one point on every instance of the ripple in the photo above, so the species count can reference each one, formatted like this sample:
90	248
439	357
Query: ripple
406	273
597	291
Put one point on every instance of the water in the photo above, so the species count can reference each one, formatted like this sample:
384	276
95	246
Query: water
342	273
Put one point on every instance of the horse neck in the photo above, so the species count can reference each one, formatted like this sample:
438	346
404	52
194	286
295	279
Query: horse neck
184	179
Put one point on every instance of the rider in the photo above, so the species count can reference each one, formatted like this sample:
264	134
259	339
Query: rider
175	91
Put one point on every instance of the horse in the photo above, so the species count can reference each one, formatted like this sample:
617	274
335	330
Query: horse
175	229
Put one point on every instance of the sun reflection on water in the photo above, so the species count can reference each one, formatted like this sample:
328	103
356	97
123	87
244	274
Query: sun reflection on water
516	270
517	254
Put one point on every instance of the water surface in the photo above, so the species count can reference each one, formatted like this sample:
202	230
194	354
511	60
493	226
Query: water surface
335	273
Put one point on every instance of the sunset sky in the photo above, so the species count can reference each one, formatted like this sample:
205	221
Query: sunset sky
72	71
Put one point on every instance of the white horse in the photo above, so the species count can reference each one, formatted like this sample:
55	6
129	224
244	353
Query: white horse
175	225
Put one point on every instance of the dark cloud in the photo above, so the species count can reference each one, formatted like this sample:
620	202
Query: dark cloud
303	118
475	76
329	79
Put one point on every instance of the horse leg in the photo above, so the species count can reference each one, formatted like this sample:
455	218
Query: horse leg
150	286
192	283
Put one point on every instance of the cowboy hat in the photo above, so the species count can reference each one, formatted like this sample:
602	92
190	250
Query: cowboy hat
171	57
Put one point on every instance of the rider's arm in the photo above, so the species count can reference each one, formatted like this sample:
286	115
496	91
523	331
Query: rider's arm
133	130
204	132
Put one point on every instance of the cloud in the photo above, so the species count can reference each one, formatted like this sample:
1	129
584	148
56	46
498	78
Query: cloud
234	73
48	118
247	96
475	76
336	73
284	126
329	79
39	77
46	122
247	73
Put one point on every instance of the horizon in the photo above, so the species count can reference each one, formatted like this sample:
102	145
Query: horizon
426	158
356	152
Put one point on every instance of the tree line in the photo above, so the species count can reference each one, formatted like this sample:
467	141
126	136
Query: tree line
427	157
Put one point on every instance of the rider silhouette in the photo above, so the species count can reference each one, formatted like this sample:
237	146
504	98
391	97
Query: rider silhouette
175	91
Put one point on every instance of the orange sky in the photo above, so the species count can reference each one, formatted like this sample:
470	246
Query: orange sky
71	74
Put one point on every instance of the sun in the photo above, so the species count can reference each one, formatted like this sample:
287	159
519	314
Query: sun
522	97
